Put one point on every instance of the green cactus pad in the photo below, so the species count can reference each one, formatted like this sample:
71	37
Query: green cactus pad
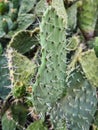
87	17
24	21
8	124
50	83
20	67
89	63
4	78
79	105
19	112
27	6
23	41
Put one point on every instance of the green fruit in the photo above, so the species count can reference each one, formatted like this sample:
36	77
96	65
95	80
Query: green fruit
16	4
2	8
14	15
14	26
6	6
5	26
19	89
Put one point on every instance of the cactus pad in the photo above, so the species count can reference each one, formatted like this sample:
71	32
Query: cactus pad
51	74
88	17
79	105
24	40
89	63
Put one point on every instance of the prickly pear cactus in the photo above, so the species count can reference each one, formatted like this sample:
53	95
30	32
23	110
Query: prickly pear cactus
78	107
86	59
50	71
14	15
4	77
19	112
21	69
8	123
88	17
23	41
51	74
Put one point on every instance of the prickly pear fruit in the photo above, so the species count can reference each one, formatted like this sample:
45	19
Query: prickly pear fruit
14	15
5	26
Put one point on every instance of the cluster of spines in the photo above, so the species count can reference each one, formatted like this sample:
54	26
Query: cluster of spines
9	56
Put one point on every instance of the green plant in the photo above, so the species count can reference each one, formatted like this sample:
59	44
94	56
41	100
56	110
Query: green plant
52	70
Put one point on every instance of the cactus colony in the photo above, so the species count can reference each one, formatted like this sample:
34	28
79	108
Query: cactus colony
49	64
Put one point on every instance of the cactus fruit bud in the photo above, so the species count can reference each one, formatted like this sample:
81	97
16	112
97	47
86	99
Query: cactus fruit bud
14	14
16	4
6	6
5	26
2	7
14	26
19	89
